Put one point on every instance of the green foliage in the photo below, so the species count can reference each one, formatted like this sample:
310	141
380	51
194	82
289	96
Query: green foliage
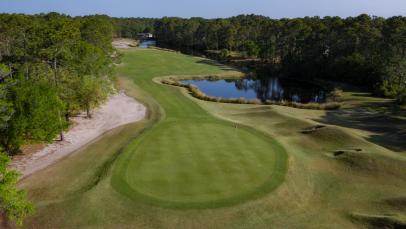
6	109
59	35
129	27
387	89
401	97
90	60
51	65
45	63
4	71
68	90
224	53
38	104
252	49
35	115
98	31
394	83
13	202
91	92
354	50
8	138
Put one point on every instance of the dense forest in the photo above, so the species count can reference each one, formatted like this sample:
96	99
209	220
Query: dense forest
129	27
51	67
365	51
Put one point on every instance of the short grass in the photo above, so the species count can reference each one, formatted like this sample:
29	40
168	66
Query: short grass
205	164
147	186
191	158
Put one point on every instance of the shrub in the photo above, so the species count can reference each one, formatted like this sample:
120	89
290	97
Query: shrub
335	95
312	106
224	54
387	89
401	97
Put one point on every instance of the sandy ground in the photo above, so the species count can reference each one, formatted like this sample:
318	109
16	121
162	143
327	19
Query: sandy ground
120	109
124	43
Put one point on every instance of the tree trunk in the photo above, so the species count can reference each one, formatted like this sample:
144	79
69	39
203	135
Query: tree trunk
11	70
27	73
25	59
3	220
55	67
55	71
61	137
88	113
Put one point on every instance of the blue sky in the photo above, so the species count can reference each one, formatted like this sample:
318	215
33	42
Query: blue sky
208	8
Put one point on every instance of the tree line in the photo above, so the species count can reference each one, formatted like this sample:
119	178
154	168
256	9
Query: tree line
129	27
364	50
52	66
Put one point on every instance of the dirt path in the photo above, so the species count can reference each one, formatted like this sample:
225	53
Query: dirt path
120	109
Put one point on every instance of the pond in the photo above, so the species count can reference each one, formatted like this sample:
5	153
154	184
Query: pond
264	88
147	43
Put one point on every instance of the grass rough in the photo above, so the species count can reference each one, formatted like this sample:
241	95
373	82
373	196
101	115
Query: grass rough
318	190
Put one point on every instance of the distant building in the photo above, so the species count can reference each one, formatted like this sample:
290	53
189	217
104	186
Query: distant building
145	35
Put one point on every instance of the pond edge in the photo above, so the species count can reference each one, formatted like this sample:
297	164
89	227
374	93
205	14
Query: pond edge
197	93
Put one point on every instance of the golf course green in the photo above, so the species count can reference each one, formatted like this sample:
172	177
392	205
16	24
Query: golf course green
197	164
191	158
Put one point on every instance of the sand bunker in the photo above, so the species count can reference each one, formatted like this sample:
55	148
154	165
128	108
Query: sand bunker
123	43
120	109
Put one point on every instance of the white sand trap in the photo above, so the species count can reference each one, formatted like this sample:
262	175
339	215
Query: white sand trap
124	43
120	109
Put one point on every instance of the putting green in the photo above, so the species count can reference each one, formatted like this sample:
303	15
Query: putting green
190	158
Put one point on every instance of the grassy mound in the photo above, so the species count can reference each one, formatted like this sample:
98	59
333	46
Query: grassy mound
380	221
356	159
398	203
312	129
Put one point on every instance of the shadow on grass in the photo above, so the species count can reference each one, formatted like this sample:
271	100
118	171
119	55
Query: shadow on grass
386	121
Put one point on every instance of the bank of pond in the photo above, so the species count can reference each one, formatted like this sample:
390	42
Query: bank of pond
258	90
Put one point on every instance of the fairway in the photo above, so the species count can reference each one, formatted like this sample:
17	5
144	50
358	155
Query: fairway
190	158
199	164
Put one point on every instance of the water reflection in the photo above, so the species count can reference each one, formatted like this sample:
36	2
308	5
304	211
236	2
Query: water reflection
147	43
263	88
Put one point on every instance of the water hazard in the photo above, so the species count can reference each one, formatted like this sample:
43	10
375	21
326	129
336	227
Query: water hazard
264	88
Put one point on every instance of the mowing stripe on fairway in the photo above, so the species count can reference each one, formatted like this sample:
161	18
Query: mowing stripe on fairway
191	159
